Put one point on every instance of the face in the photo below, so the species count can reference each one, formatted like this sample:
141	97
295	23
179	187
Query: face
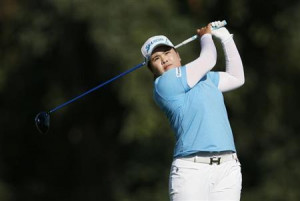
164	58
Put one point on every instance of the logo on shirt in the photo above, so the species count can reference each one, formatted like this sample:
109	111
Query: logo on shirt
178	72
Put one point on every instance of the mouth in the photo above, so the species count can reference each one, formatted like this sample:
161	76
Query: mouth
167	67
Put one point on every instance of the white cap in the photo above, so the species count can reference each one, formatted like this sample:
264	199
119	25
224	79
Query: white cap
154	42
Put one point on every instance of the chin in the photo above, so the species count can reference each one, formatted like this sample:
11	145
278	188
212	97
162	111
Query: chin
169	68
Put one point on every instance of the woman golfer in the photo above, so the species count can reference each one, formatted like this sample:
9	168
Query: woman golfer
205	165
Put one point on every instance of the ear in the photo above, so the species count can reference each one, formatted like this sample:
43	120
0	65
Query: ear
149	66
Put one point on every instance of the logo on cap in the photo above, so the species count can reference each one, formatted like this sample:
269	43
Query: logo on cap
152	42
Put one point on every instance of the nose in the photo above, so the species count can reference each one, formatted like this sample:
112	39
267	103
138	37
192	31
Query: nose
164	59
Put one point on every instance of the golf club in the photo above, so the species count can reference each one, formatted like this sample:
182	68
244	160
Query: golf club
42	119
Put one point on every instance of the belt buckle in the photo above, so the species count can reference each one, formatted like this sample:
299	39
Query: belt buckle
216	160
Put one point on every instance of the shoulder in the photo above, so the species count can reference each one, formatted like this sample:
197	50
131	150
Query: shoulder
214	77
171	83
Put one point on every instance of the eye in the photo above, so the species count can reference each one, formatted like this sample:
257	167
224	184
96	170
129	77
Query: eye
155	59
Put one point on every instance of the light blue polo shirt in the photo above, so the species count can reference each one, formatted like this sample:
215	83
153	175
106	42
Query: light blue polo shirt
197	115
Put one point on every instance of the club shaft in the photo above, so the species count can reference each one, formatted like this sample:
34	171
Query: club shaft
187	41
97	87
223	23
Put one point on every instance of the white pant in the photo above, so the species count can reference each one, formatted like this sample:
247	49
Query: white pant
190	181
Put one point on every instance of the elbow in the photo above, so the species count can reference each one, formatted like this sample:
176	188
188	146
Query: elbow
241	82
242	79
238	82
211	64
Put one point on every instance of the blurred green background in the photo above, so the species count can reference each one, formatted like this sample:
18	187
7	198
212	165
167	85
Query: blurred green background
115	144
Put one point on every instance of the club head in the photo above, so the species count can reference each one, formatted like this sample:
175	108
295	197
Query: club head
42	122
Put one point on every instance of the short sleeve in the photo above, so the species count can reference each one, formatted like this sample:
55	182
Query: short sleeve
214	77
172	83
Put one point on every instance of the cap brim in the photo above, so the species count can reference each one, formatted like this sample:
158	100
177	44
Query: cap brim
156	46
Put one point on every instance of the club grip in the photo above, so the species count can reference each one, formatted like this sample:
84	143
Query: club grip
222	24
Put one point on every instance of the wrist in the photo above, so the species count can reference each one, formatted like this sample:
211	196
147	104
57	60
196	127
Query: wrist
207	35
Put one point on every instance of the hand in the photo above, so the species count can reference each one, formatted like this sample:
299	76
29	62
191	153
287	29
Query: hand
221	33
204	30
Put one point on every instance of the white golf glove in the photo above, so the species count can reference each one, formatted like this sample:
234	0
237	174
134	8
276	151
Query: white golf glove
221	33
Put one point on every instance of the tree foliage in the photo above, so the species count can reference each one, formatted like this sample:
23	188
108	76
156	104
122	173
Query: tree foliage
115	144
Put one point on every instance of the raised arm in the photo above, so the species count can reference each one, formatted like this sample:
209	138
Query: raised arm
207	59
233	77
